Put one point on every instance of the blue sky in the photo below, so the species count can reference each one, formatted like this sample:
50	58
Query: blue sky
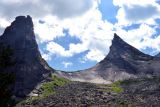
75	37
108	10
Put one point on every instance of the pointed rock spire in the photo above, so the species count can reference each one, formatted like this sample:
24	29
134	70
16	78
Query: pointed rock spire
117	42
21	28
30	68
120	48
116	38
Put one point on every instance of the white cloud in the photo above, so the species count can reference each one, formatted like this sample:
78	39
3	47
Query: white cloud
83	20
57	49
49	30
40	8
141	37
137	11
94	55
4	23
95	35
67	64
47	57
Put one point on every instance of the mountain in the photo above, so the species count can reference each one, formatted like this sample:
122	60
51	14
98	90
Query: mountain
29	68
158	55
123	62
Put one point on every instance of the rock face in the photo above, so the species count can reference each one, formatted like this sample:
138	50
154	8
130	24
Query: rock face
123	62
158	55
29	66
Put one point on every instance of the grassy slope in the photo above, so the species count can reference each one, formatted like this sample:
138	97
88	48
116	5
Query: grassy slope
48	88
127	93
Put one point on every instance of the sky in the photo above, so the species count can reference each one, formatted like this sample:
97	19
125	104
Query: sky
76	34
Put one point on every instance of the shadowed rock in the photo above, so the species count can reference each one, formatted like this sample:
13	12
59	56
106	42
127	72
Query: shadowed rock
29	66
158	55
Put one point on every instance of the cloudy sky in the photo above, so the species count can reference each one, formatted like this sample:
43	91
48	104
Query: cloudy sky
76	34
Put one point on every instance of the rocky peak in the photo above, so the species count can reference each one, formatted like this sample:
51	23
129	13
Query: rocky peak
123	62
30	68
120	48
22	23
117	41
22	33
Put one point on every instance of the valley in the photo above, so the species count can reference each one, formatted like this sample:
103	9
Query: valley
126	77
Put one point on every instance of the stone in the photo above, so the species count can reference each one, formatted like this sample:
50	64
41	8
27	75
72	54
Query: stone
30	68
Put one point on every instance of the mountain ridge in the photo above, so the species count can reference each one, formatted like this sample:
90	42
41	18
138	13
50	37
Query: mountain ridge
122	62
158	55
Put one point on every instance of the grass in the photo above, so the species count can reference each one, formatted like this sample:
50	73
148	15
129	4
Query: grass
48	88
114	87
117	86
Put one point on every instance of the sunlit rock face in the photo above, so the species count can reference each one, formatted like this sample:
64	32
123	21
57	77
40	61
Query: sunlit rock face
29	66
123	62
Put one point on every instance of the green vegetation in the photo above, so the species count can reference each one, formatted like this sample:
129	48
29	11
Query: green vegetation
48	88
115	87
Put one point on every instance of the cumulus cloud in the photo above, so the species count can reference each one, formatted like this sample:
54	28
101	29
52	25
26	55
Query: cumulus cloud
83	20
94	34
49	30
54	11
47	57
94	55
3	24
137	11
140	37
56	49
40	8
70	8
67	64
